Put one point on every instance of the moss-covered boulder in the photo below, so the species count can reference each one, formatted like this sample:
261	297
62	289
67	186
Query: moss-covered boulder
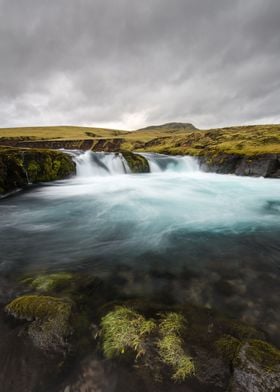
256	368
137	163
48	316
20	167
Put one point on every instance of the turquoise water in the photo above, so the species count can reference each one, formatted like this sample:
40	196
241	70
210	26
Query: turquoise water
176	234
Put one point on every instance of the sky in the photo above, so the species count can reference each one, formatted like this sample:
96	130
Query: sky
127	64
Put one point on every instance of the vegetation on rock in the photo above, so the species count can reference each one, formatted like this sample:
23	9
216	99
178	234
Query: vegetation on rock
170	346
262	353
49	282
137	163
228	346
155	339
18	167
125	329
49	318
256	367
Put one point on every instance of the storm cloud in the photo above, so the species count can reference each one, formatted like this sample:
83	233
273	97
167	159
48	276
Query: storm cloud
131	63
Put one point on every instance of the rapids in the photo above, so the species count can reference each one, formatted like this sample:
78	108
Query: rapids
176	233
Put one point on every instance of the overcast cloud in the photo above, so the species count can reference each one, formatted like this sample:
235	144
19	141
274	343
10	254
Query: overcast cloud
132	63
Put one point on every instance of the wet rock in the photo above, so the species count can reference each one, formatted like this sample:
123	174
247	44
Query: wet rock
137	163
24	367
262	165
49	282
49	317
212	371
20	167
256	368
108	145
92	375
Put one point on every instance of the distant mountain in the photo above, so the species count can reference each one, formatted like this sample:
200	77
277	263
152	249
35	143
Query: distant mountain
170	127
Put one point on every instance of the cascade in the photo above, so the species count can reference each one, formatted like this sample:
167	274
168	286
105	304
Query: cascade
92	163
168	163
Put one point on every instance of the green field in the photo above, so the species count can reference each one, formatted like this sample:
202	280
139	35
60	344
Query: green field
58	132
172	138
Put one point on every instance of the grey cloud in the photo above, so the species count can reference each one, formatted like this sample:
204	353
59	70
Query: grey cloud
128	63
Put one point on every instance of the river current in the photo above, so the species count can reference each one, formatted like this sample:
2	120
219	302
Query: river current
176	234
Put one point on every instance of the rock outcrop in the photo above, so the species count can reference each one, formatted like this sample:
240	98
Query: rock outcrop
256	368
137	163
49	318
20	167
265	165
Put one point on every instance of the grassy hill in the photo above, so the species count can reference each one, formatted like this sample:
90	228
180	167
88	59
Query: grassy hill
240	140
171	138
58	132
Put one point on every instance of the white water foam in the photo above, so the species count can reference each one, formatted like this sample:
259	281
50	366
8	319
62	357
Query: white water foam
92	163
100	164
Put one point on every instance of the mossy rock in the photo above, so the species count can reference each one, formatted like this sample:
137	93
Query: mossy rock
49	317
19	167
238	329
137	163
263	354
50	282
256	368
228	347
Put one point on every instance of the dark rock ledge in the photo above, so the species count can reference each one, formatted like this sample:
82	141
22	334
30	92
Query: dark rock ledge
264	165
20	167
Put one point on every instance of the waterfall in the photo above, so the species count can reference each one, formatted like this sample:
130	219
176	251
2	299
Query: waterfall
169	163
92	163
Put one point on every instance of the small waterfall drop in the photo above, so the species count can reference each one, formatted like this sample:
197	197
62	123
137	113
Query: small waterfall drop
92	163
169	163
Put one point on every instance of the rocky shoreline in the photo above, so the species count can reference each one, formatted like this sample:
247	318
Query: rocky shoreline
262	165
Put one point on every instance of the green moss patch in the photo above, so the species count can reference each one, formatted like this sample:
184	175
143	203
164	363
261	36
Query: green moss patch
19	166
265	355
125	329
49	318
137	163
228	346
170	346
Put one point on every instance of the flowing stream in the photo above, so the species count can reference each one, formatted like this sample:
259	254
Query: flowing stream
176	234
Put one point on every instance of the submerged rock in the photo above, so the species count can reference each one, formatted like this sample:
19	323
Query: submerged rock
49	282
49	317
25	367
156	346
